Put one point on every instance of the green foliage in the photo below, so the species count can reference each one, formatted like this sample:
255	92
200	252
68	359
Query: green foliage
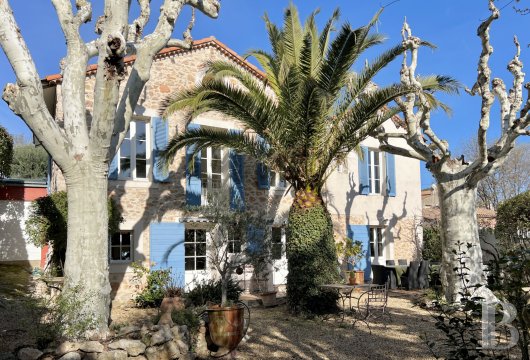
312	261
432	243
156	283
210	291
6	153
188	317
59	318
29	162
350	251
47	222
513	222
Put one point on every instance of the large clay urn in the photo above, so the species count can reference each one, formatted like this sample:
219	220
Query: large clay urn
226	325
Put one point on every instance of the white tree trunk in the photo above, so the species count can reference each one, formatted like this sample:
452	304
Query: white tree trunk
87	264
459	231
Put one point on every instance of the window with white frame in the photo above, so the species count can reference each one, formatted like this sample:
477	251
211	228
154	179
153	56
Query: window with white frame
133	154
278	179
211	171
121	246
376	242
194	249
234	241
375	173
277	244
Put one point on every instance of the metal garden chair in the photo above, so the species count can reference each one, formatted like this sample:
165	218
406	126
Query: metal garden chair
372	304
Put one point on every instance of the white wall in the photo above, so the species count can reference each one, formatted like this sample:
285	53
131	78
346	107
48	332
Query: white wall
13	240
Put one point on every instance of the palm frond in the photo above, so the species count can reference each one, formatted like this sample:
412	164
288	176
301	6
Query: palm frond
440	83
325	36
292	34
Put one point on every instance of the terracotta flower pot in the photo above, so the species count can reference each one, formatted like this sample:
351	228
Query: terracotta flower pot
268	299
168	305
226	325
358	277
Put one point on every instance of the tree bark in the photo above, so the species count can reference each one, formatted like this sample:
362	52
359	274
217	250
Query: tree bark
459	235
87	264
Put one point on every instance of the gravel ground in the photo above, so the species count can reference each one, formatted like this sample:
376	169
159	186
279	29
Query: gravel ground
274	334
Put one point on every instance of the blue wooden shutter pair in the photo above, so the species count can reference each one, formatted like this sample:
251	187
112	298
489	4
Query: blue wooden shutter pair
159	140
193	176
159	136
237	180
255	240
362	234
166	249
364	171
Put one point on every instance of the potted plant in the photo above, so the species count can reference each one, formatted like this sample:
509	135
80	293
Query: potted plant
172	301
351	252
228	237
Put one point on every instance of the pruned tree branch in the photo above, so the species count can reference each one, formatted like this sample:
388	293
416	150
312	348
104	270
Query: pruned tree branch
137	27
26	97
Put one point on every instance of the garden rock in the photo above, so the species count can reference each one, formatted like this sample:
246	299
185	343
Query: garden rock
141	357
161	336
66	347
172	349
29	354
91	347
113	355
128	330
157	353
91	356
71	356
133	347
183	347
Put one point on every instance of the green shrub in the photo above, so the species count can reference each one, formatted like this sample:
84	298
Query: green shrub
154	291
47	223
312	261
210	291
432	243
6	153
29	162
513	222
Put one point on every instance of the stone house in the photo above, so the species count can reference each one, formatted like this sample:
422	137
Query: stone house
376	200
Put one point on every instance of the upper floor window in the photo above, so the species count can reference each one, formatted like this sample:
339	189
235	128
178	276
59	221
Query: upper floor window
133	154
121	246
375	165
211	171
195	249
278	179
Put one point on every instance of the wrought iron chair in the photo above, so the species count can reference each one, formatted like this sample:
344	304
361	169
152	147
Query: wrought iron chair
372	304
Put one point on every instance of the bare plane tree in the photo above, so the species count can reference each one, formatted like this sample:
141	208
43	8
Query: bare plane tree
83	152
457	180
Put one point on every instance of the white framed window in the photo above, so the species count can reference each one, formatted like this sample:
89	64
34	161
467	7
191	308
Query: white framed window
194	249
376	244
277	246
133	155
121	246
211	171
234	241
375	171
278	179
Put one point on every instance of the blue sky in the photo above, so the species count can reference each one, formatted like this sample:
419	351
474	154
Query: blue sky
449	24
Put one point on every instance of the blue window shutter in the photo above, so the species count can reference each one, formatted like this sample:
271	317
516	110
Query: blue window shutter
361	233
237	179
364	181
166	249
390	174
263	175
159	141
113	168
255	239
193	179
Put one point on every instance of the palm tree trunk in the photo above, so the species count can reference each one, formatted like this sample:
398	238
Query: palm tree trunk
311	255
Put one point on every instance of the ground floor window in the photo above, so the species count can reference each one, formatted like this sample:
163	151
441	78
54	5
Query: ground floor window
120	246
277	245
195	249
234	241
376	242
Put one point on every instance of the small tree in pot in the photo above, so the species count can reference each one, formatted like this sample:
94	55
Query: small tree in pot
259	254
351	253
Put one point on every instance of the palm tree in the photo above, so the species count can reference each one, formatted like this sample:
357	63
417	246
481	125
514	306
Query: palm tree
308	113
